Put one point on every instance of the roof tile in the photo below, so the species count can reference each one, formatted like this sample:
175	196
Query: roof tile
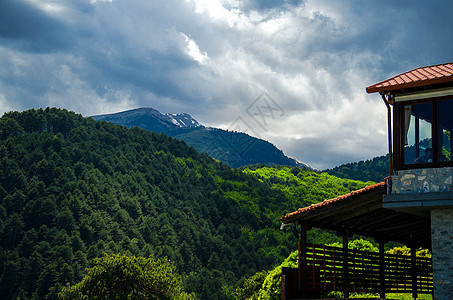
333	201
418	77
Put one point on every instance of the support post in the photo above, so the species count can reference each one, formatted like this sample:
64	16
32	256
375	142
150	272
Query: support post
345	265
389	132
414	272
381	270
302	285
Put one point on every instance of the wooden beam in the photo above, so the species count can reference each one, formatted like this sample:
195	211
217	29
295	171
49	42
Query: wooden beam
417	137
414	272
398	155
381	270
345	265
366	221
401	225
435	131
398	237
302	266
352	213
382	218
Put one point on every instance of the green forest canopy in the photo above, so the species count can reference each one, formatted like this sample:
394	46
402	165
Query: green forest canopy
115	276
72	188
375	169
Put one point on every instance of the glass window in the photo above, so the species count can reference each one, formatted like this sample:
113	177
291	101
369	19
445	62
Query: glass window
445	128
418	120
425	136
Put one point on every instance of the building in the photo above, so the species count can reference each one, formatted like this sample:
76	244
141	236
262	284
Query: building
421	180
414	205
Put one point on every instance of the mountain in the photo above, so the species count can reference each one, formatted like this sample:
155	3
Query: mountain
72	188
233	148
150	119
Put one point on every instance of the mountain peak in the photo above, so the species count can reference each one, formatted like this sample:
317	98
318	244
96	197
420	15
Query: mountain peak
136	117
233	148
183	120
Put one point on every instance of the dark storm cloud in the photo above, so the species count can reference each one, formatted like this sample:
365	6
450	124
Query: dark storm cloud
27	28
104	46
214	58
269	4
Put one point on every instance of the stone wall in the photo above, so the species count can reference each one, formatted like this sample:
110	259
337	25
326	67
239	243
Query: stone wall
422	181
442	240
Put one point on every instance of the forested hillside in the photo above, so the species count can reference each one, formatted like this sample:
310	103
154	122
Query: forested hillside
72	188
375	169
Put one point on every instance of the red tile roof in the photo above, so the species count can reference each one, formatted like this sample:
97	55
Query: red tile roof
415	78
336	200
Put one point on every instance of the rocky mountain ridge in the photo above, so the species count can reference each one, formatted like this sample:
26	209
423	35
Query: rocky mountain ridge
233	148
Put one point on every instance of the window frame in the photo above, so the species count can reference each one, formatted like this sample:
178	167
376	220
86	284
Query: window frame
399	132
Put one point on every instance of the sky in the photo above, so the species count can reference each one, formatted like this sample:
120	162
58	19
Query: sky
290	72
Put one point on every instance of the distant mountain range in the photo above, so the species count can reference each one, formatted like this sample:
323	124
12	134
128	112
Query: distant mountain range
233	148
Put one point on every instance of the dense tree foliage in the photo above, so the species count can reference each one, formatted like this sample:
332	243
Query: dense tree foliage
128	277
375	169
72	188
300	186
251	287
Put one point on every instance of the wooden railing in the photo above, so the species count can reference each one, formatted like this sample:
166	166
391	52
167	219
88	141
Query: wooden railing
325	271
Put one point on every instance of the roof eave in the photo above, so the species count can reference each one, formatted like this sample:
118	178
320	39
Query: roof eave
421	83
331	203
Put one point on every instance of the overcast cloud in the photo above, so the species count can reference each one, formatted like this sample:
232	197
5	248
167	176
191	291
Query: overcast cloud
303	64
